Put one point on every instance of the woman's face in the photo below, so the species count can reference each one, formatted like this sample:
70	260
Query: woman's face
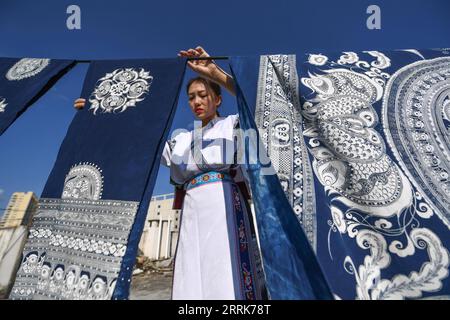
202	101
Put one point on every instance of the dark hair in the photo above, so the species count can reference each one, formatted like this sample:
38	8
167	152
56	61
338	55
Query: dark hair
209	85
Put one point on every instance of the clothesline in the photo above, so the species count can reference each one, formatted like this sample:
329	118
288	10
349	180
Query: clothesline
194	58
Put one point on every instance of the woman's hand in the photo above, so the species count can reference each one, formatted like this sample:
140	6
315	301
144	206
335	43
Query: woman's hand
207	68
79	103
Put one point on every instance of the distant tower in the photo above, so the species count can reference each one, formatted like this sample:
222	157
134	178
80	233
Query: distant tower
13	235
20	210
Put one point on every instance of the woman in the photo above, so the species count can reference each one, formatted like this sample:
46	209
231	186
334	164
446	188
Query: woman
217	255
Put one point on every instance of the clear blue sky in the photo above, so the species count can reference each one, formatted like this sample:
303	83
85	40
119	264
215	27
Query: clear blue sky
151	29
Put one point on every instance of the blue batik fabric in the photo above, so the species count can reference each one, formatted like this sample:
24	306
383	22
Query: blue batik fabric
377	127
280	175
23	81
85	234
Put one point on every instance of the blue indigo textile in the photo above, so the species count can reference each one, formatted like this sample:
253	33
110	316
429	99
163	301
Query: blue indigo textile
268	102
377	127
84	237
23	81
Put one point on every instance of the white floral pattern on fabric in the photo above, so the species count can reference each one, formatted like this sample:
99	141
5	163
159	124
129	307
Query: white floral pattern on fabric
382	61
89	245
428	278
84	181
26	68
76	244
348	58
120	90
317	59
3	104
374	203
278	118
415	116
351	159
70	254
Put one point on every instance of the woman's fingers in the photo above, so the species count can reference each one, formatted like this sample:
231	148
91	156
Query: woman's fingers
202	52
79	103
194	52
189	54
184	53
191	65
200	66
194	65
198	51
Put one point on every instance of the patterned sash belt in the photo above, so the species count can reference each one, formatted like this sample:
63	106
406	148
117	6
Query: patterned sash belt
207	177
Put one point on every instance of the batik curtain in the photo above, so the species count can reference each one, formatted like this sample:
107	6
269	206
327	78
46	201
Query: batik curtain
268	102
376	125
84	237
23	81
370	140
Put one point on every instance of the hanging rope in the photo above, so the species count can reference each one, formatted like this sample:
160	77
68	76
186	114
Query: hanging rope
193	58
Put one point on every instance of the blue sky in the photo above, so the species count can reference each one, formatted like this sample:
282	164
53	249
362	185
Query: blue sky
151	29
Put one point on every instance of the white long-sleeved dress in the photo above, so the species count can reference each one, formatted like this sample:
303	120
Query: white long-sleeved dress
217	255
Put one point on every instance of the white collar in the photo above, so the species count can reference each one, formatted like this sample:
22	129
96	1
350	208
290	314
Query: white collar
212	122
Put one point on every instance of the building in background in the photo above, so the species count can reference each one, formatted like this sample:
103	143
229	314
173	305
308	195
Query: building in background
13	235
20	210
160	235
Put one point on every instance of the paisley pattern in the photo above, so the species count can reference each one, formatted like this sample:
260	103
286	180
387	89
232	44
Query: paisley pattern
26	68
350	157
377	128
416	117
428	278
119	90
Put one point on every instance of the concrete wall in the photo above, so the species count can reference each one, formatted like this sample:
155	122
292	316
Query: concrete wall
160	234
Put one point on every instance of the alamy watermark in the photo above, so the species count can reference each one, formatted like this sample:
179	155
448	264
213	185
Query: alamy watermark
374	20
243	147
73	21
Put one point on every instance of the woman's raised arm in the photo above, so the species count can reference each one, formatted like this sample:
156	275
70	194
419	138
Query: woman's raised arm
208	69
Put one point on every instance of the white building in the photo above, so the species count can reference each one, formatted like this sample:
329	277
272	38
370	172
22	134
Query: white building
20	209
160	235
13	235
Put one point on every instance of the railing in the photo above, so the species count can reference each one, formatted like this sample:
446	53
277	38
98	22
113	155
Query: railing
163	197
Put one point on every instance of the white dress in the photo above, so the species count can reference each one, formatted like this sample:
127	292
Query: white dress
217	255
